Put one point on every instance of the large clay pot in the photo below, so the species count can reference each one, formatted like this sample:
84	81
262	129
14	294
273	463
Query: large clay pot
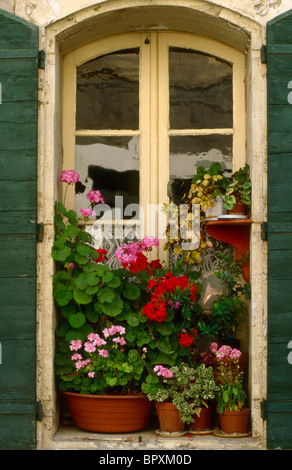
169	418
234	421
109	413
202	422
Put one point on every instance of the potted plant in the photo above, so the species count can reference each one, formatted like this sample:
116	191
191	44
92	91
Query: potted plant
90	298
156	306
208	186
206	190
180	393
238	192
229	309
102	391
231	396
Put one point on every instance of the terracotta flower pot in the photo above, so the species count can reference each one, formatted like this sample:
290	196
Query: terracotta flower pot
109	413
169	418
234	421
239	209
202	422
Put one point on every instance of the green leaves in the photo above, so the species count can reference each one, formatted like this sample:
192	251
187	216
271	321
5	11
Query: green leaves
114	308
131	292
77	320
81	297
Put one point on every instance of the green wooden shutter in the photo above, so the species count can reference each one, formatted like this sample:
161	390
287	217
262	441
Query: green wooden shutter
279	232
18	228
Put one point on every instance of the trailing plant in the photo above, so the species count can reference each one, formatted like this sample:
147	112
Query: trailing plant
185	232
208	185
188	388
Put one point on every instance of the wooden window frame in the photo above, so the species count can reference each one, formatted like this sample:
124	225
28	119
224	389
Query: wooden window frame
154	129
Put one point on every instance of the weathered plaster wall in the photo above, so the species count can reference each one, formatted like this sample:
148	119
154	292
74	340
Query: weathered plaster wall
44	12
62	24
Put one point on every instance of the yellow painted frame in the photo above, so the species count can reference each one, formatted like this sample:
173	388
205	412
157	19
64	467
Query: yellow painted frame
154	129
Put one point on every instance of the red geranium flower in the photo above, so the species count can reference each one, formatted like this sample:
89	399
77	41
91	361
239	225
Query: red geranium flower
102	255
185	340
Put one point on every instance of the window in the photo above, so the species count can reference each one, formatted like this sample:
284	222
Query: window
141	111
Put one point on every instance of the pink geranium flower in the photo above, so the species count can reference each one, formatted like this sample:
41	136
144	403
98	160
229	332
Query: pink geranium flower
163	371
87	213
95	197
69	176
75	344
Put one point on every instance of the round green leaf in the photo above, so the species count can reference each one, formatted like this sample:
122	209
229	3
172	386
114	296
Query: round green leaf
80	259
81	282
143	338
114	308
92	290
132	319
61	255
133	355
81	297
107	277
106	294
164	345
91	314
63	297
71	231
115	282
130	336
92	279
77	320
83	250
131	292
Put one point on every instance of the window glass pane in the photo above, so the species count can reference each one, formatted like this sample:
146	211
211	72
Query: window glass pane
108	92
200	91
110	165
189	152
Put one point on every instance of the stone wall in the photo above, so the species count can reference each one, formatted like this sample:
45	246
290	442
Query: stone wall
62	24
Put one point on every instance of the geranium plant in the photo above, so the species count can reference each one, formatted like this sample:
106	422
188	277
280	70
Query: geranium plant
103	364
90	296
188	388
231	395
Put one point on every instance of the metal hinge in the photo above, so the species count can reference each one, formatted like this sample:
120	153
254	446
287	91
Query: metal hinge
264	409
264	54
40	232
264	231
39	411
42	59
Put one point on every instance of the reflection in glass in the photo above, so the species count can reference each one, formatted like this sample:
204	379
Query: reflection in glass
189	152
108	92
110	165
200	91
